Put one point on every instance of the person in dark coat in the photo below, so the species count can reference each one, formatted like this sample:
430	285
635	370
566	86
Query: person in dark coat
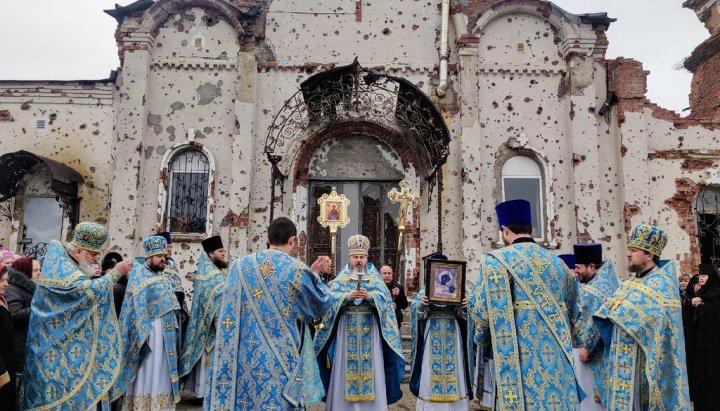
108	263
397	292
19	296
703	306
7	349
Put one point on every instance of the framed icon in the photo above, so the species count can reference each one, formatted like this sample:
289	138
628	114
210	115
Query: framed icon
445	281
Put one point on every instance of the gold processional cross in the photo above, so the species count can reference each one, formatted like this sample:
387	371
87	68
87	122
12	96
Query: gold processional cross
405	197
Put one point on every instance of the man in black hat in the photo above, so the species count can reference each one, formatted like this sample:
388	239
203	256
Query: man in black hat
598	282
199	342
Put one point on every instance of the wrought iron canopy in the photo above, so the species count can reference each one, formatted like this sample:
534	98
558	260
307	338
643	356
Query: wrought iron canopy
15	165
353	93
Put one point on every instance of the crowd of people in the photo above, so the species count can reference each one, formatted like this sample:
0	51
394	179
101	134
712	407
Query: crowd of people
267	332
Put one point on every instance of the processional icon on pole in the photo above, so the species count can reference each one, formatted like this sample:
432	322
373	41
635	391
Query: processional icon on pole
333	215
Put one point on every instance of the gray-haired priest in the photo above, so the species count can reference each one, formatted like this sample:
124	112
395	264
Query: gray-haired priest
199	343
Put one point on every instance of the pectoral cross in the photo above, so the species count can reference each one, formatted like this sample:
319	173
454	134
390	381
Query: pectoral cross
405	197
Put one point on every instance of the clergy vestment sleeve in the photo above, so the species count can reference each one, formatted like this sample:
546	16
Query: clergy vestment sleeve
573	309
478	330
314	295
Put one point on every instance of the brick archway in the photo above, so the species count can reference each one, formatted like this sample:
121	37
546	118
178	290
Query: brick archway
410	158
394	139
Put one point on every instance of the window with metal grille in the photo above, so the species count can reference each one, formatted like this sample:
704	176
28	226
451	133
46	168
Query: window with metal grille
186	210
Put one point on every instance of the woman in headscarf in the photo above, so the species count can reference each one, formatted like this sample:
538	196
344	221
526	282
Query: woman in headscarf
7	349
21	276
702	305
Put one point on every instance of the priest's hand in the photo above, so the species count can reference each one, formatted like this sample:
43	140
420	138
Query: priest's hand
464	303
358	294
584	355
424	300
124	266
321	265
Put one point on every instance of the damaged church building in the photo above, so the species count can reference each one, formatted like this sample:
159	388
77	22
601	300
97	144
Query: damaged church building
226	114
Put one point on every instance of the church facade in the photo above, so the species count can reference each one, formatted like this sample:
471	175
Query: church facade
224	114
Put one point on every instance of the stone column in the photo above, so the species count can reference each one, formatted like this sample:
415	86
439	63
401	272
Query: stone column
243	153
131	112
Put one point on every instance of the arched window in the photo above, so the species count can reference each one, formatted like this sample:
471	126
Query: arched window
707	207
522	179
187	200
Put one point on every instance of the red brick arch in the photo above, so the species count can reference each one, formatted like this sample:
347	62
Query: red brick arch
393	138
159	12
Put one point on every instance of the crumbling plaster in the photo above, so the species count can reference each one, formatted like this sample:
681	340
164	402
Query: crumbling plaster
79	122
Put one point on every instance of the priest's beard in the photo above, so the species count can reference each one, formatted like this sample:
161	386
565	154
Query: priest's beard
635	268
360	268
87	268
221	264
156	268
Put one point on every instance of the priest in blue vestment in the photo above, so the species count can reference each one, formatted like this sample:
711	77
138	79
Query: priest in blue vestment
200	337
598	282
264	358
440	375
149	376
74	347
173	275
641	327
523	307
358	348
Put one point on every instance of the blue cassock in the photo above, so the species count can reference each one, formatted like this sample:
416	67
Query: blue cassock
524	306
263	349
200	335
442	337
73	346
592	295
642	328
360	386
148	296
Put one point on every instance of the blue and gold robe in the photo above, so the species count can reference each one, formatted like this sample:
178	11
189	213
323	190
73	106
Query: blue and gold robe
360	372
592	295
73	348
524	306
641	326
149	296
200	335
442	337
264	358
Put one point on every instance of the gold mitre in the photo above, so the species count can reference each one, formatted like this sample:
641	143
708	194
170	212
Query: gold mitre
358	244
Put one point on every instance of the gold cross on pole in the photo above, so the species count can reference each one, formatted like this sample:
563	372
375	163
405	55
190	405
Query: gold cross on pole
405	197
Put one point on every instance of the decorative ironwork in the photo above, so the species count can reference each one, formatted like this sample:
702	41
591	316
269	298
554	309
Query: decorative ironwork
186	211
36	251
7	208
707	208
352	93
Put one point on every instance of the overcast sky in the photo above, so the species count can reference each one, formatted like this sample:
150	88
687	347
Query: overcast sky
74	39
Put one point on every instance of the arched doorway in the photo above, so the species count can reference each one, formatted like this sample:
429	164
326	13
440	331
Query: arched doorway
707	209
365	180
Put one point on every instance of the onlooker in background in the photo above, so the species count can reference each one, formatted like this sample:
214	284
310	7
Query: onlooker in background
98	270
703	358
397	292
36	267
7	258
19	298
108	263
7	349
683	279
